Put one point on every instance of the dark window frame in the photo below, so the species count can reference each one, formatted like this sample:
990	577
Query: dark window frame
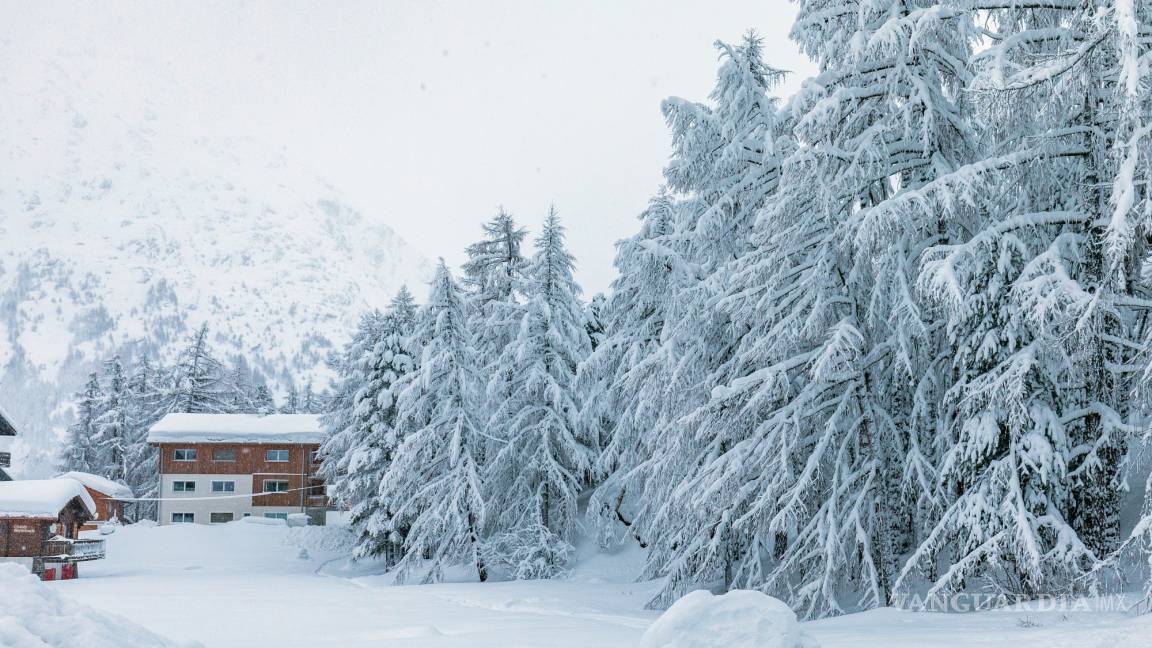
189	456
276	481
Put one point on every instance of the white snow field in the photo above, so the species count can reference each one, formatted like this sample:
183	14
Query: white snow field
244	584
34	615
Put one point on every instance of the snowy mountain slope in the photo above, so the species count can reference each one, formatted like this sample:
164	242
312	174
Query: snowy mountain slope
118	226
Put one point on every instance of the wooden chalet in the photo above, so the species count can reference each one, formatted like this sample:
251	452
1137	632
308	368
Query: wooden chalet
40	521
217	468
110	496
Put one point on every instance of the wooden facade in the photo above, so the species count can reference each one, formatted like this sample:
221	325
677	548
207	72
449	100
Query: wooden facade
251	459
49	542
107	508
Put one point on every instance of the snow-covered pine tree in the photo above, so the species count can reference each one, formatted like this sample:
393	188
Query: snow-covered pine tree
111	432
619	381
344	427
79	451
1046	298
291	401
262	402
492	271
724	167
594	319
141	413
433	484
536	474
311	401
788	478
494	281
357	472
198	383
817	404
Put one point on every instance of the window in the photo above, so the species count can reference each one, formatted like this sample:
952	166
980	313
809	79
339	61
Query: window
223	487
316	488
277	516
184	454
183	518
314	456
276	455
275	485
223	454
183	486
220	518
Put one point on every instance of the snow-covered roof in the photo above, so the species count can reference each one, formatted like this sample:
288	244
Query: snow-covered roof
237	428
7	427
41	498
100	484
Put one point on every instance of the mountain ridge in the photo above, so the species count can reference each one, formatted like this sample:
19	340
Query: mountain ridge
119	231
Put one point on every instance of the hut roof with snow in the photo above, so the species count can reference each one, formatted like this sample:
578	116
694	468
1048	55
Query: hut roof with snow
42	498
103	485
237	428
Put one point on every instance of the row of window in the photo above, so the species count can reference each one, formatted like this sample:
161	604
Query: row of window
228	454
219	518
270	486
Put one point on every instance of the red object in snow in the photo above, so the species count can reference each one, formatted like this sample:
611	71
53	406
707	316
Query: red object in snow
68	571
49	574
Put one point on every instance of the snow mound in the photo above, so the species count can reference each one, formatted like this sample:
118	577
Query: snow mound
338	540
738	619
35	616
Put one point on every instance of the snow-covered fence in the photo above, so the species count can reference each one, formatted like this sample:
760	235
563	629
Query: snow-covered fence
74	550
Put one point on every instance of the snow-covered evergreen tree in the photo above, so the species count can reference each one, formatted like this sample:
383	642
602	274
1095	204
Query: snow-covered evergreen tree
199	383
111	427
619	380
291	401
344	425
492	271
594	319
724	167
262	402
142	460
433	485
311	402
80	452
537	472
372	437
494	283
1045	301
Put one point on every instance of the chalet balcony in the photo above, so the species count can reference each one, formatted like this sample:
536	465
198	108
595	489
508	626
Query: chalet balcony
66	550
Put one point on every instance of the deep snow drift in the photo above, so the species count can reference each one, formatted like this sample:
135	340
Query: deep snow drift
246	585
34	615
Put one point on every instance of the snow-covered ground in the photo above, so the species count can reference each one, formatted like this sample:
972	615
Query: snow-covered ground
247	585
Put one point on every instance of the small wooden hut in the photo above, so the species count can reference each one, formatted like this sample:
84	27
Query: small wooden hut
40	522
109	495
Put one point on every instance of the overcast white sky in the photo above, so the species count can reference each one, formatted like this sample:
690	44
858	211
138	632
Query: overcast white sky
430	114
